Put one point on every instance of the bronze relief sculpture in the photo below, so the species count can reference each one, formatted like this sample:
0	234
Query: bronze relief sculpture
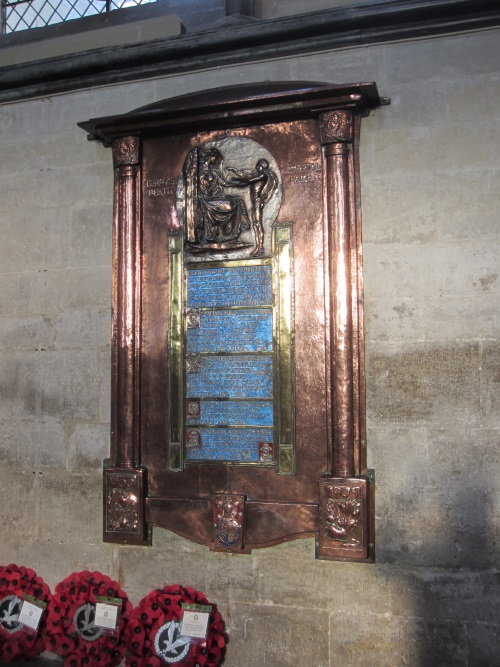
226	205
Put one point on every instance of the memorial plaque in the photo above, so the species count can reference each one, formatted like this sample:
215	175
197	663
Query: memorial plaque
232	331
232	413
230	286
226	278
238	380
228	200
229	444
234	376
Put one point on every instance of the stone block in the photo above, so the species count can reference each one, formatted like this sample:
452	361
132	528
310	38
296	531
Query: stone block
281	580
374	640
58	385
91	231
105	386
399	455
32	445
490	382
20	294
56	560
449	207
107	101
483	643
40	152
415	271
441	643
466	455
22	247
440	595
431	319
273	9
26	333
450	147
17	511
440	525
141	569
91	228
276	635
475	97
69	508
334	67
58	115
35	239
234	577
88	446
429	382
339	67
412	105
77	289
83	329
449	58
60	186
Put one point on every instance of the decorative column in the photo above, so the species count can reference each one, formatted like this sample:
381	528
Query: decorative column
124	479
343	524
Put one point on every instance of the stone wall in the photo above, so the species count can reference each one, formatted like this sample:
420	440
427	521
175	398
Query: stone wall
430	166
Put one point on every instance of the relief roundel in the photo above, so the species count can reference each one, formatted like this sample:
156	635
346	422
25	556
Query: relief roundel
229	197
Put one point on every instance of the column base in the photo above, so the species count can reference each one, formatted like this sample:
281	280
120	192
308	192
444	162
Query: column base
124	494
346	519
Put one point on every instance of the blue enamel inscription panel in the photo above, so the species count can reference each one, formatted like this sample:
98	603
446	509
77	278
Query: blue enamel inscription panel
232	331
230	286
229	362
231	413
239	376
225	444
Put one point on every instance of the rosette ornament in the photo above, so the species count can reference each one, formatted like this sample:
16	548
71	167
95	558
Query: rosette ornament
17	641
153	635
70	628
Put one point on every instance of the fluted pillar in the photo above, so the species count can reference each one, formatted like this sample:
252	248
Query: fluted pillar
343	524
124	479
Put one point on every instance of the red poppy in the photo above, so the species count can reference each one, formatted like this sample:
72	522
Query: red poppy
64	645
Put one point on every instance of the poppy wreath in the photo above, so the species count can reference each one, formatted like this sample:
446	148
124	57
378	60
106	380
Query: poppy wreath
70	629
17	642
153	636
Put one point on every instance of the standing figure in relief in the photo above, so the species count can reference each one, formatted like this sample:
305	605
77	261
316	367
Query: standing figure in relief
262	182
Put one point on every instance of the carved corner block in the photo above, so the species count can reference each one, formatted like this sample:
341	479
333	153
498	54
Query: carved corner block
228	522
345	519
124	493
126	151
336	127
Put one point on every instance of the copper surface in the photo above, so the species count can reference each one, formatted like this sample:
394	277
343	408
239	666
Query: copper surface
339	243
124	495
312	133
344	518
228	510
124	311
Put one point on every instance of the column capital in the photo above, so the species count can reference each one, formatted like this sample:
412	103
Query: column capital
125	151
336	127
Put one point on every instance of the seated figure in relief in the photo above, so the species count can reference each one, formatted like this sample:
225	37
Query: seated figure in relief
214	217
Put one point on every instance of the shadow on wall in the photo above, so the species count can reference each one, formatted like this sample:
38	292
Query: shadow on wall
450	593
